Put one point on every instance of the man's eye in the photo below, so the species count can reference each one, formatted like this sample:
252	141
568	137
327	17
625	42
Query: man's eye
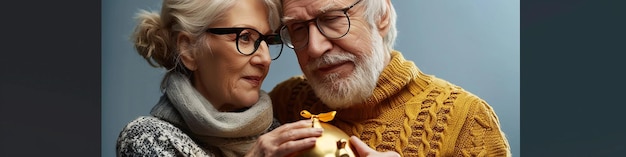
297	27
327	19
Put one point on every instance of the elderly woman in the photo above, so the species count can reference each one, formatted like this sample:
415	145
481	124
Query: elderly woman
217	54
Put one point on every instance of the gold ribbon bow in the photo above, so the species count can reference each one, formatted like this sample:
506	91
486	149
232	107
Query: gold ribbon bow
324	117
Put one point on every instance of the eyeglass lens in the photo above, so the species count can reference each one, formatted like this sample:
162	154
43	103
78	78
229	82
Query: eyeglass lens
249	40
333	25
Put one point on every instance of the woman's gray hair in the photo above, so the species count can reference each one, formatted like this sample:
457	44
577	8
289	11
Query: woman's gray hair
155	34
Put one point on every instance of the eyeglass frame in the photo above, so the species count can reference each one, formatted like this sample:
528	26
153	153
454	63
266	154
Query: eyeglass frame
257	43
345	12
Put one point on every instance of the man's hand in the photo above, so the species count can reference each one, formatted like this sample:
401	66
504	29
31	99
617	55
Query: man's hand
365	151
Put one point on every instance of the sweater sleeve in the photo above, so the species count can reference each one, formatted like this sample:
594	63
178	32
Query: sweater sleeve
481	134
149	136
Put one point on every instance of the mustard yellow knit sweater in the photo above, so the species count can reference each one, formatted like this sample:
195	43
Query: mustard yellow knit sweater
409	112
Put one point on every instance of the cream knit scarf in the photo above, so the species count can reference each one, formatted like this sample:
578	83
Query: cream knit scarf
233	133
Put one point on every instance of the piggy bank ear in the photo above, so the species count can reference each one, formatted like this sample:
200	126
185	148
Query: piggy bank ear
342	151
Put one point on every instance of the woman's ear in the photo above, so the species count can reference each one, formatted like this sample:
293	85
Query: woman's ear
187	55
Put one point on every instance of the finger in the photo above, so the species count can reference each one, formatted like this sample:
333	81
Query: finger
296	130
361	148
390	154
291	147
307	123
296	134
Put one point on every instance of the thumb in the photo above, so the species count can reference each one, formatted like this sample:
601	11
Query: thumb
361	148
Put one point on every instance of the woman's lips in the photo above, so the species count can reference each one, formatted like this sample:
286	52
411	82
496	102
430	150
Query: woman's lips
255	81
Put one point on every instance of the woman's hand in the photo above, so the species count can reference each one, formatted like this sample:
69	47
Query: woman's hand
365	151
286	139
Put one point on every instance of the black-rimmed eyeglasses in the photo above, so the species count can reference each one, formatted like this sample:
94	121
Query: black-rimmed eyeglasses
249	40
332	24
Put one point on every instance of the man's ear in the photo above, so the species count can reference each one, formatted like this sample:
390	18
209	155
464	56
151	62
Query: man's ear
187	55
383	22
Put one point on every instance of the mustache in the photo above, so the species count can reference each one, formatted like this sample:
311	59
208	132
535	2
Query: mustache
331	58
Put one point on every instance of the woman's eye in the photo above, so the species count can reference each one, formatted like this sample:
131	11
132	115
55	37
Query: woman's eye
245	36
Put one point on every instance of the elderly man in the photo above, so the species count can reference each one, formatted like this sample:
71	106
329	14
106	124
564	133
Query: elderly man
345	50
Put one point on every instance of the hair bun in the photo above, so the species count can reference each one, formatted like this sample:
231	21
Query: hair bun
151	40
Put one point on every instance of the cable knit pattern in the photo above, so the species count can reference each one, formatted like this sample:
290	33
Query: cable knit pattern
409	112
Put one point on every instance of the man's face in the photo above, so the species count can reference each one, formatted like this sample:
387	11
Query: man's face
342	71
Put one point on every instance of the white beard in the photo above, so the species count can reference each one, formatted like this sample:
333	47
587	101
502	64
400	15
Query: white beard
337	92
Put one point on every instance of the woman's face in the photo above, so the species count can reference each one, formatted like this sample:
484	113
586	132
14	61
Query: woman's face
228	79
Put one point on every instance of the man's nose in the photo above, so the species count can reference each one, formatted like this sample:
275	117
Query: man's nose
318	43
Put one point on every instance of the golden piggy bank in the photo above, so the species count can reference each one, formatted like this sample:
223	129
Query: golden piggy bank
332	143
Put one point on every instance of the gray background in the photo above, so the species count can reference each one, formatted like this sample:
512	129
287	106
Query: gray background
474	44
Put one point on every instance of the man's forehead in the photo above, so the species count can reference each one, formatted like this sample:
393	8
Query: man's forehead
305	9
